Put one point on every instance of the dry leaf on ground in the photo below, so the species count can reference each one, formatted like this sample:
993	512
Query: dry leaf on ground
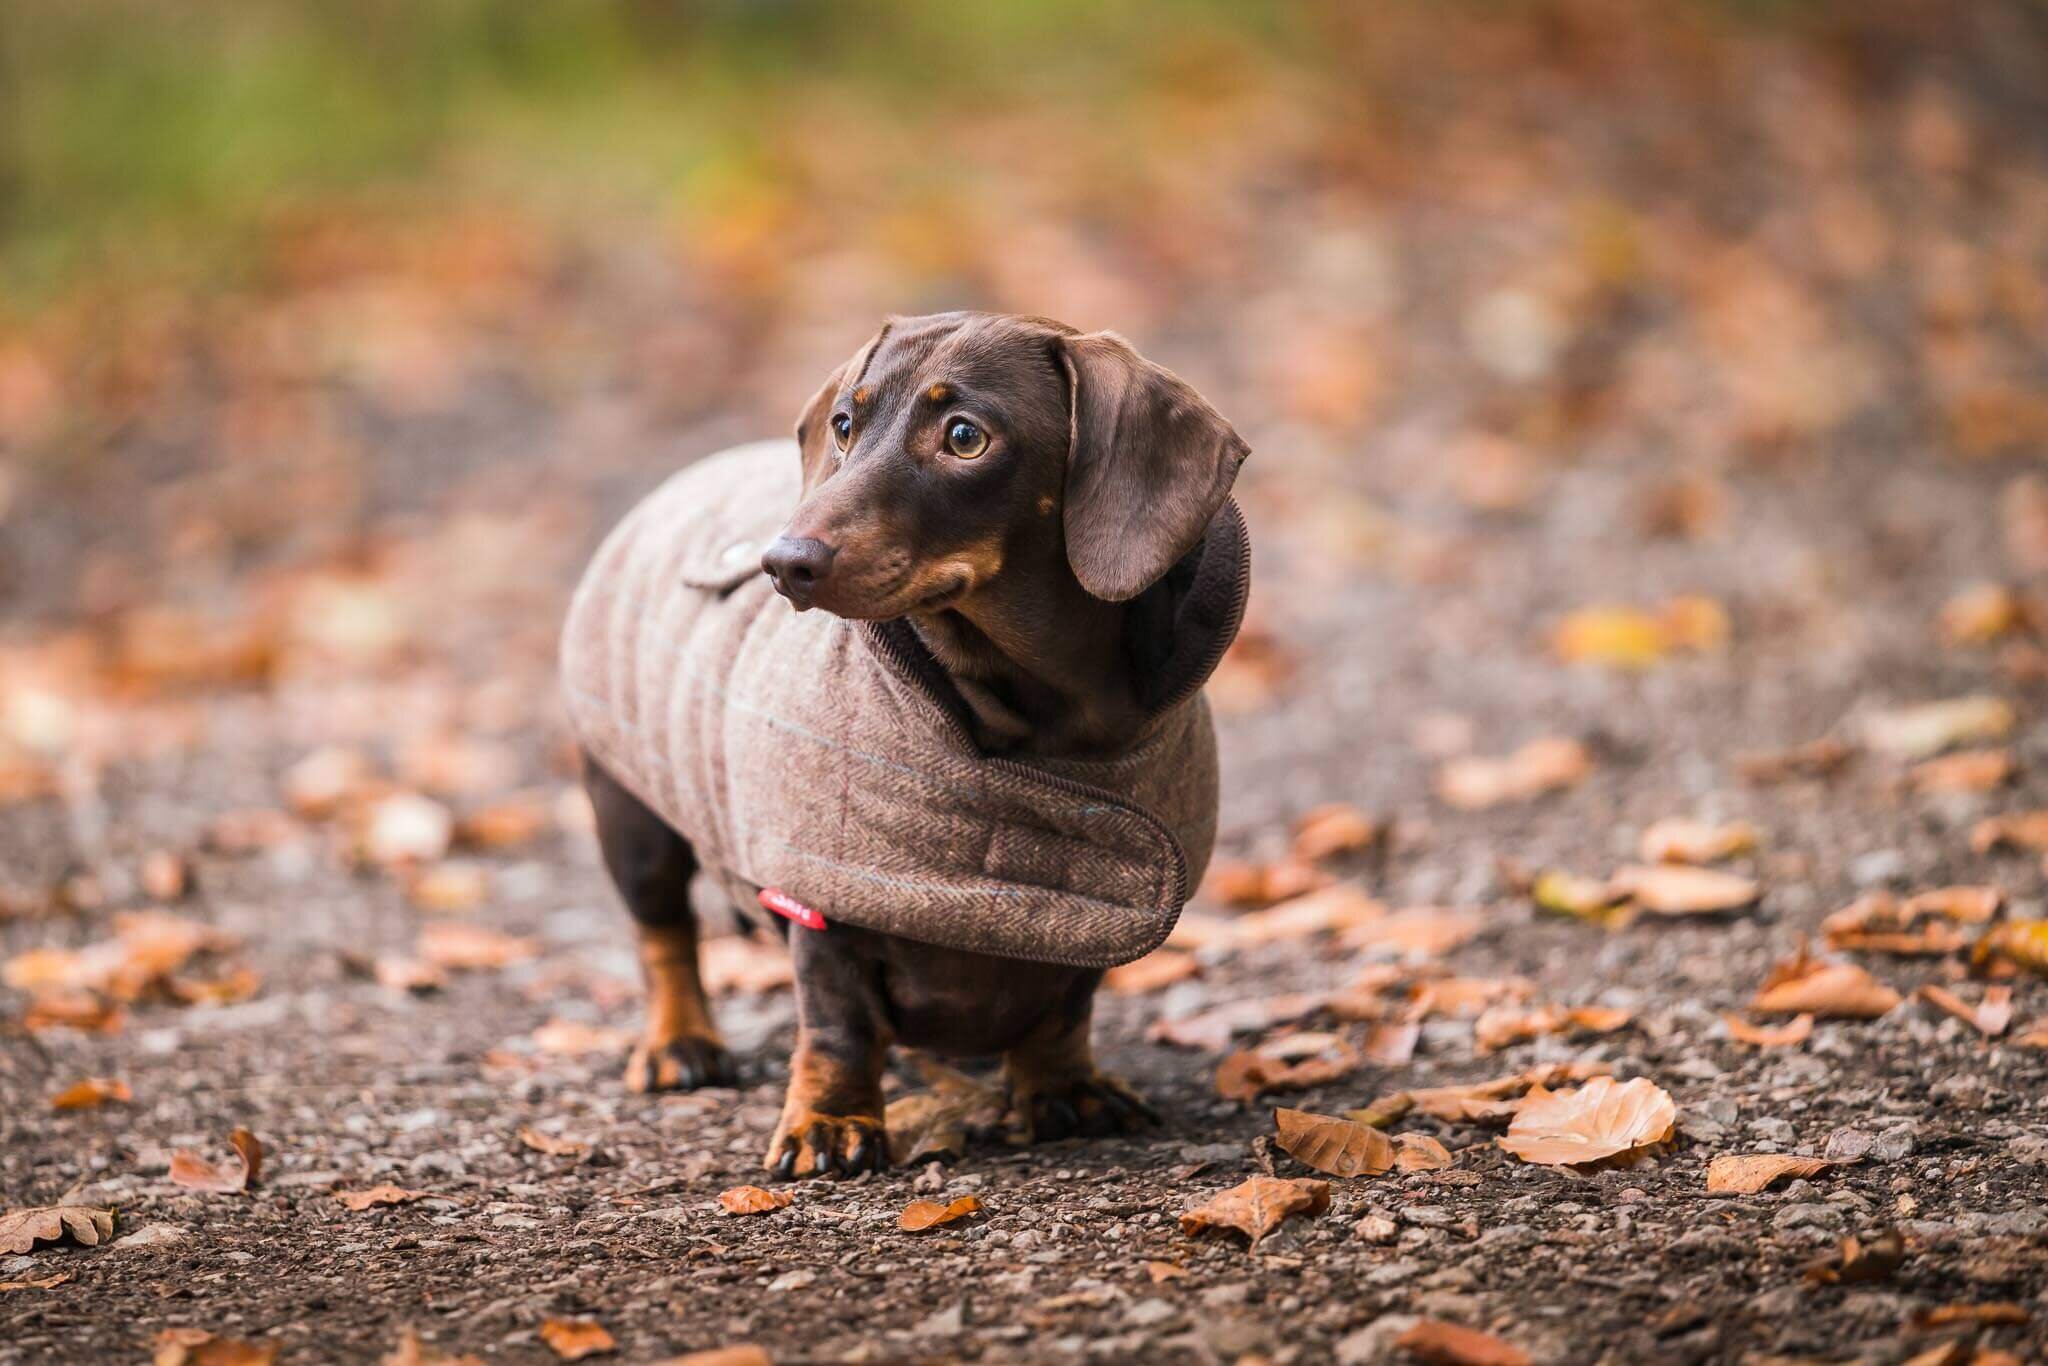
410	1351
1475	783
400	973
1342	906
1976	770
1673	889
378	1195
461	945
743	1354
1257	1207
1920	732
1339	828
920	1215
2023	943
147	949
575	1339
22	1229
1156	971
1211	1030
1749	1173
935	1122
1821	758
1341	1147
1414	931
449	887
1982	613
1600	900
552	1146
573	1038
1421	1153
1631	638
1600	1120
2024	830
1794	1031
1808	986
1484	1102
1855	1260
1680	839
1990	1017
190	1170
1504	1025
753	1200
1391	1043
91	1093
1237	883
1246	1075
197	1347
1448	1344
1995	1312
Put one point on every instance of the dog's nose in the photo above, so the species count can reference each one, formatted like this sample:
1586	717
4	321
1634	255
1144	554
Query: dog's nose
798	565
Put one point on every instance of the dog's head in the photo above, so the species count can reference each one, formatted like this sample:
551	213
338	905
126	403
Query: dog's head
950	444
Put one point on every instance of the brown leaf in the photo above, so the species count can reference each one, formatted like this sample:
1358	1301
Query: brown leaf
1341	1147
1257	1207
410	1351
503	826
1678	839
1752	1172
2024	830
459	944
1343	906
935	1123
1816	759
744	1354
1415	931
1972	905
1671	889
1490	1101
1839	991
448	887
91	1093
1162	1272
1794	1031
552	1146
165	876
1630	638
1338	828
378	1195
1981	614
2023	943
575	1339
1473	783
1447	1344
753	1200
573	1038
1854	1261
1505	1024
22	1229
1246	1075
1211	1030
1421	1153
39	1283
1156	971
1237	883
399	973
197	1347
190	1170
920	1215
72	1010
1992	1314
1602	901
1600	1120
1391	1043
1990	1017
1921	732
1976	770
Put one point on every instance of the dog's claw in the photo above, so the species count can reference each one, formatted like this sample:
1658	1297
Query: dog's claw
1095	1106
679	1064
828	1145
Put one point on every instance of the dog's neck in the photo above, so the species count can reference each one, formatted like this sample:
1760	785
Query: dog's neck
1044	673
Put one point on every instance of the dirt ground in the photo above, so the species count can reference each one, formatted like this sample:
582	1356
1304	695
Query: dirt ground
274	558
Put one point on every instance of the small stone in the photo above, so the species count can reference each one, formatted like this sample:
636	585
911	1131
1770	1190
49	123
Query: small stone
151	1236
1150	1313
1809	1215
1880	865
1429	1216
2031	1149
1226	1295
1848	1145
1376	1228
1775	1129
1893	1144
948	1322
793	1280
1375	1342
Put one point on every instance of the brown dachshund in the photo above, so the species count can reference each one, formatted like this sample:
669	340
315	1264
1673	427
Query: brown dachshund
1017	492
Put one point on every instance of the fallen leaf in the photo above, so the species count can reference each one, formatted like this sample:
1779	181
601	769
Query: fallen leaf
1794	1031
190	1170
410	1351
1599	1120
1338	828
1920	732
575	1339
197	1347
745	1354
1211	1030
146	949
165	876
326	780
1670	889
743	963
1505	1025
378	1195
1854	1260
1414	932
1807	986
1973	905
1976	770
1421	1153
91	1093
1990	1017
1630	638
502	826
1447	1344
1475	783
552	1146
460	944
1162	1272
40	1283
1156	971
1821	758
920	1215
1602	901
2025	830
448	887
1246	1075
1237	883
1749	1173
2034	1035
935	1122
78	1010
1341	1147
1494	1100
2023	943
753	1200
400	973
1992	1314
1343	906
573	1038
22	1229
1257	1207
1391	1043
1982	613
1678	839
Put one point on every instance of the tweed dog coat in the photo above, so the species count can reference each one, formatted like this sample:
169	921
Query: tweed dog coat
829	759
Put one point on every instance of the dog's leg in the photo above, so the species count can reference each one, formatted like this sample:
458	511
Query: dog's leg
832	1121
651	865
1055	1089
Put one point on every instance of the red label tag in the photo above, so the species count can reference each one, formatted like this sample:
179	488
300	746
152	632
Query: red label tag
789	908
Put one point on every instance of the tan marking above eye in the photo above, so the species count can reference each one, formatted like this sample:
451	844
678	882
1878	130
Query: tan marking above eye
1046	505
939	393
863	394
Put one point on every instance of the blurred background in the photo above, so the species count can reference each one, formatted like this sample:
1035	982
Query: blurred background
331	337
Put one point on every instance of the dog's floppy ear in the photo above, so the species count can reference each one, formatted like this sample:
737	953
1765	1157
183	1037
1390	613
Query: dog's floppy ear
1148	464
814	440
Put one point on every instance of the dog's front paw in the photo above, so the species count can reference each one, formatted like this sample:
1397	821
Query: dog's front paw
1093	1106
808	1143
682	1063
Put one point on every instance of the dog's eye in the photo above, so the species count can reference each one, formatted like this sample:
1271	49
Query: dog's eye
965	439
842	428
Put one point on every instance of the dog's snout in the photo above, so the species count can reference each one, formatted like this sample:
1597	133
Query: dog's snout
798	565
